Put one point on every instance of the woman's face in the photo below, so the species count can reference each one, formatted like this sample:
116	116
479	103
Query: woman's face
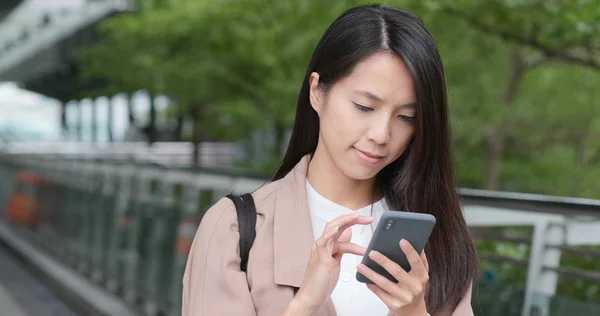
367	118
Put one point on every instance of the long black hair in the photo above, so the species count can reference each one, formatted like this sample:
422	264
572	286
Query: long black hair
422	179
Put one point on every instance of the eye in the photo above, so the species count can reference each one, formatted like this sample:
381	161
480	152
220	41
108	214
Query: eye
408	118
363	108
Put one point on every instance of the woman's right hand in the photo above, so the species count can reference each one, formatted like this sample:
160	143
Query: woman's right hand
323	270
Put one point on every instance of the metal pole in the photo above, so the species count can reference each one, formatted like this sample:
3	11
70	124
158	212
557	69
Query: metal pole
94	125
109	121
79	121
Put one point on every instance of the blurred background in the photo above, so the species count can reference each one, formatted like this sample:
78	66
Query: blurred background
121	122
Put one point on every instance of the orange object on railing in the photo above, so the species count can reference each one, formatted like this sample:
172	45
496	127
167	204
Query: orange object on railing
23	205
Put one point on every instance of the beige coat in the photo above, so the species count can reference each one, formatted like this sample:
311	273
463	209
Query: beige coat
213	284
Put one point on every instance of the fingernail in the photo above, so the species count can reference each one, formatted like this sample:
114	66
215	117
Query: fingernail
403	243
374	254
361	267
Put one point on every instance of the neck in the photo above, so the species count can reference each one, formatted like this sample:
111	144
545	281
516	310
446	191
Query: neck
327	179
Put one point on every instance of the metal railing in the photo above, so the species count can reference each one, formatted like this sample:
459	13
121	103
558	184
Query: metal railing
220	155
129	228
542	239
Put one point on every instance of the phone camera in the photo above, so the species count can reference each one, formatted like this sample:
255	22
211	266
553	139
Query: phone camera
389	225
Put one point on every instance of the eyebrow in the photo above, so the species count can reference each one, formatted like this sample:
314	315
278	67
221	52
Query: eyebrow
369	95
375	98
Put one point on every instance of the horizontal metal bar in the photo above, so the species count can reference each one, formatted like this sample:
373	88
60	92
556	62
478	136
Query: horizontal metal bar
213	171
531	202
485	234
576	273
498	238
500	259
567	271
578	250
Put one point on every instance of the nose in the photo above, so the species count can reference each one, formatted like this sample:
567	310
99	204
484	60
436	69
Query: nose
380	131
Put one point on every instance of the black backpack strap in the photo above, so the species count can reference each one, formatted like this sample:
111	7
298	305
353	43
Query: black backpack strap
246	213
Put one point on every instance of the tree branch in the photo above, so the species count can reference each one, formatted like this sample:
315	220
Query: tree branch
535	61
555	53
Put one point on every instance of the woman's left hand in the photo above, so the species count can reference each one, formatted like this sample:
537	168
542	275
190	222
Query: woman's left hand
407	297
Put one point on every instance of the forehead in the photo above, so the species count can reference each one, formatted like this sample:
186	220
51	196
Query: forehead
382	74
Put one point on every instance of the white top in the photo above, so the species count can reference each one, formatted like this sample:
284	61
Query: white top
350	297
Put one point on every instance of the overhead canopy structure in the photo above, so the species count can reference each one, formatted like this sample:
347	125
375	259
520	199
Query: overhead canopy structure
38	38
38	41
6	7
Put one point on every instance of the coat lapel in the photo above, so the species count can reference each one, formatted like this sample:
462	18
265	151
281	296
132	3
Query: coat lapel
292	232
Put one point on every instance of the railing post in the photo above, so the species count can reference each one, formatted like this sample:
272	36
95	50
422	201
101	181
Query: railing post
72	220
161	247
194	202
541	283
134	267
121	224
85	188
104	218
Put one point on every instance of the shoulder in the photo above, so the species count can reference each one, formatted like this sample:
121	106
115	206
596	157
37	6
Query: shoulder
223	212
266	193
218	232
216	213
212	274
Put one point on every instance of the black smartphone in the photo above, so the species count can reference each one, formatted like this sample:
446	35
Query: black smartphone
393	227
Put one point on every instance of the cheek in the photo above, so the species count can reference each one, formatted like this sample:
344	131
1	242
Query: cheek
338	122
401	137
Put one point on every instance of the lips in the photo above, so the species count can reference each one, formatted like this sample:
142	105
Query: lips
371	155
368	157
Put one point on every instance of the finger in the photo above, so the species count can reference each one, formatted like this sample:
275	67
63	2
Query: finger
331	229
346	221
390	266
326	236
352	248
361	220
390	287
385	297
425	262
342	220
418	270
417	266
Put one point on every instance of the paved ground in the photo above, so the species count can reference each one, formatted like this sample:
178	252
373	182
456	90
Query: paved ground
22	294
36	299
8	305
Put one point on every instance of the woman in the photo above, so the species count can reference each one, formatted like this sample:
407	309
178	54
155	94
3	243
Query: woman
371	135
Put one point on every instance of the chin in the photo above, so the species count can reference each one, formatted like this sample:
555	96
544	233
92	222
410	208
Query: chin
361	172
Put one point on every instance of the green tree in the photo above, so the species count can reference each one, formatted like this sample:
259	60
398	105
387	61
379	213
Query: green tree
522	79
535	33
234	67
